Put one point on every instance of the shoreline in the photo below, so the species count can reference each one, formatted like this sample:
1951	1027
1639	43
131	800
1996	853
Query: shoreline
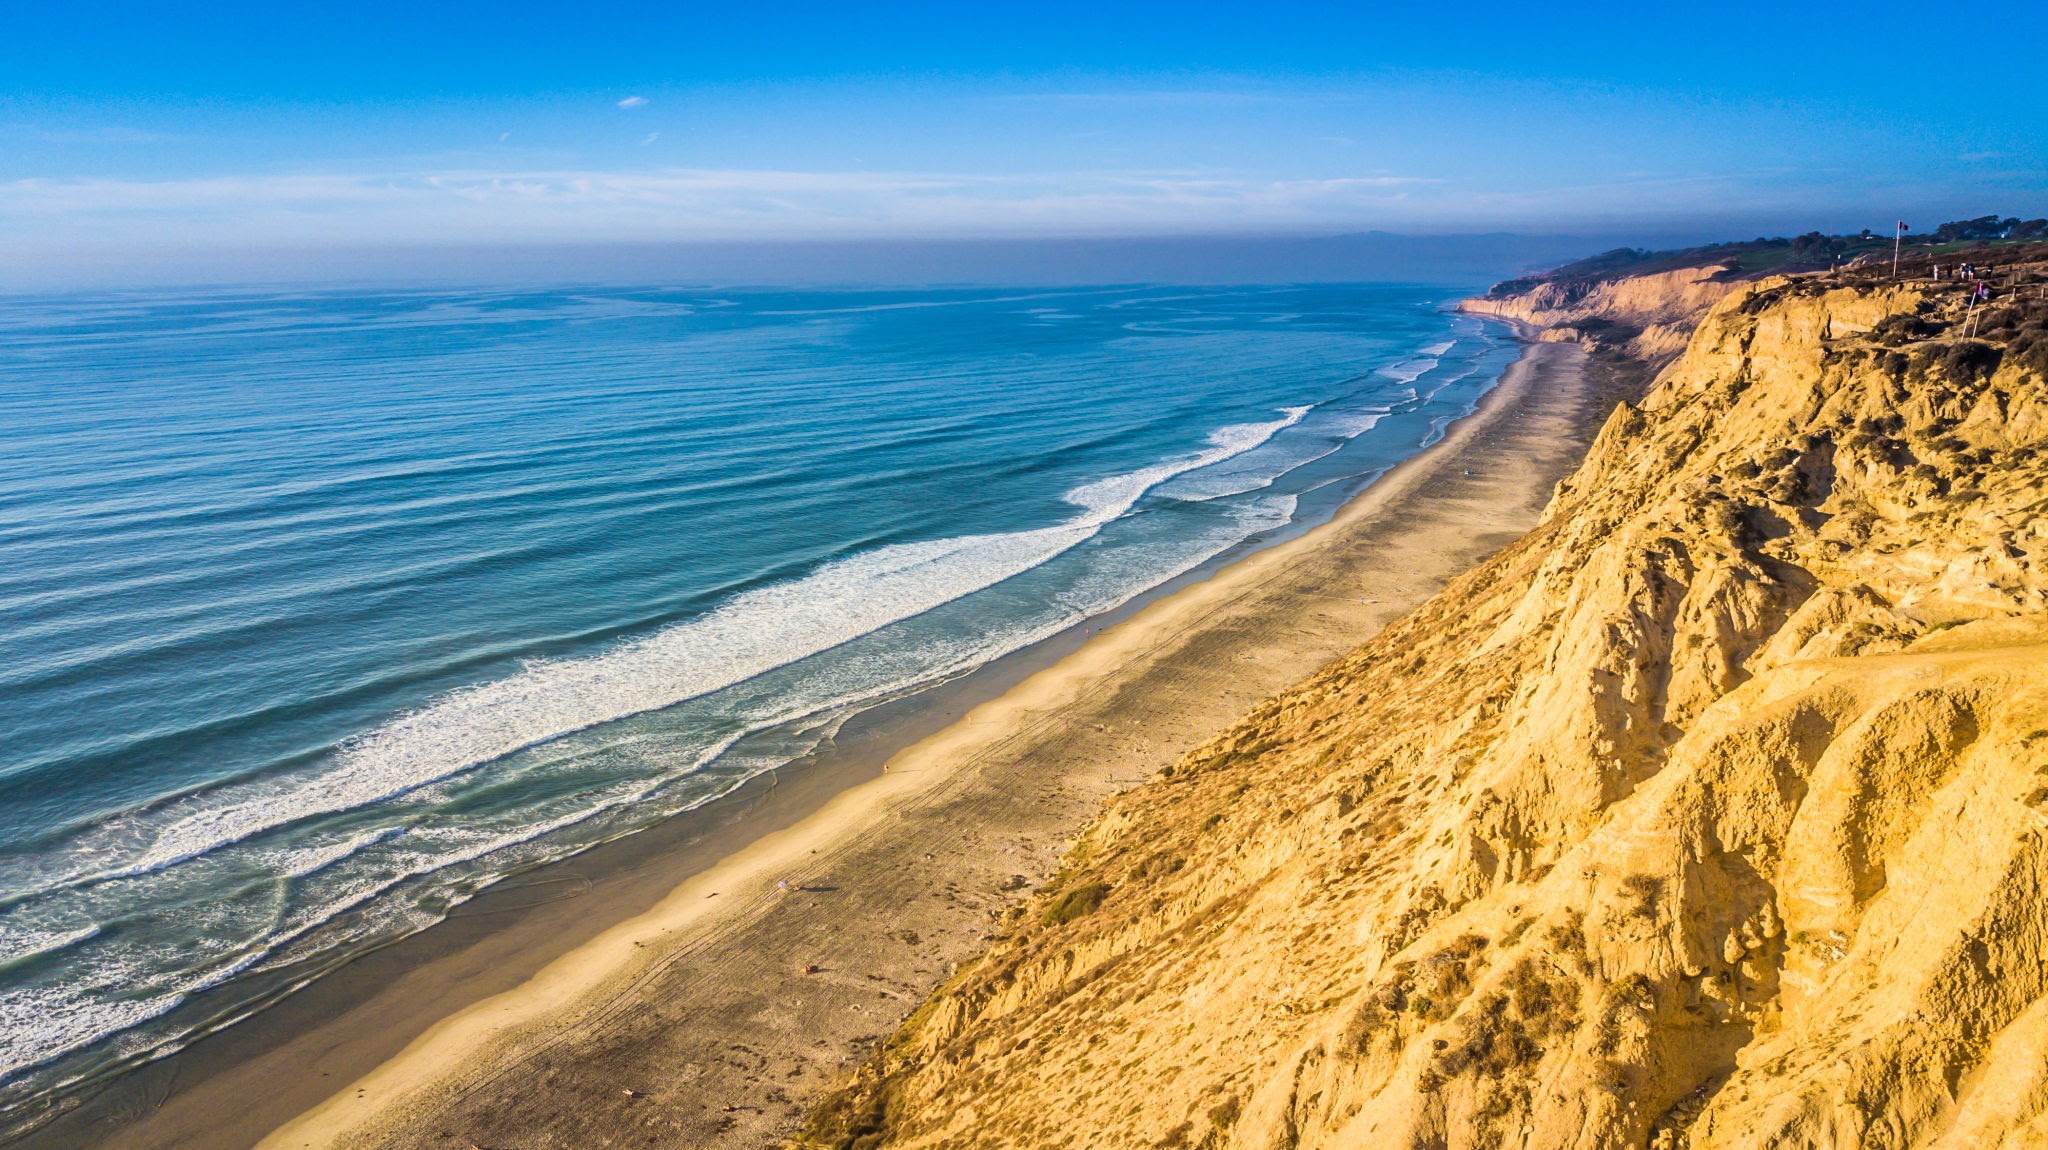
557	977
501	936
504	934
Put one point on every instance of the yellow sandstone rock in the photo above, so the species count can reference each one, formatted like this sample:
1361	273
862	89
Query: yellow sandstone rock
1659	310
1712	813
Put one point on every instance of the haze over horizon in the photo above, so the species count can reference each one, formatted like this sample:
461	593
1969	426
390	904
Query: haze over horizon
141	142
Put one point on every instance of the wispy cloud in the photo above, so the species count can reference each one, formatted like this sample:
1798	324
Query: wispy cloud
681	203
650	138
633	102
41	218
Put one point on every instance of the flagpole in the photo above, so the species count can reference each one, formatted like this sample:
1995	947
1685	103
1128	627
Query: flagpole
1898	237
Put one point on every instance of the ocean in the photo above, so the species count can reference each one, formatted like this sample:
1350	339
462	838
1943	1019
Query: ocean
319	611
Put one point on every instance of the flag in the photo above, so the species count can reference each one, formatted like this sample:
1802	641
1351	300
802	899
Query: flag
1903	227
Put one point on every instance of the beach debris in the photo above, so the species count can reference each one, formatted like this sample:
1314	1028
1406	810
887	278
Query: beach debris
629	1092
814	968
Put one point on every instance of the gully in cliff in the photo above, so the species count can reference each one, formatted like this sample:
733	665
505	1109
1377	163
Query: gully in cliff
1711	813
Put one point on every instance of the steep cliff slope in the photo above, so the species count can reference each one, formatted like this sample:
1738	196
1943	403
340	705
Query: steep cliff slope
1649	316
1713	813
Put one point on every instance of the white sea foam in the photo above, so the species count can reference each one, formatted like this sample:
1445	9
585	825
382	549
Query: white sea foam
18	943
38	1024
1259	469
1410	370
305	861
98	997
37	1027
1352	424
748	634
1437	349
34	1030
1223	484
1441	384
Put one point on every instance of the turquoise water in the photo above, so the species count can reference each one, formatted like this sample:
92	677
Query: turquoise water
317	611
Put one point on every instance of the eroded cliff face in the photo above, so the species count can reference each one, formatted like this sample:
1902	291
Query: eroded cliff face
1713	813
1648	316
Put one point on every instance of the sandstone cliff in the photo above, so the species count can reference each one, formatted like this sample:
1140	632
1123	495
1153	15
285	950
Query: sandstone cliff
1713	813
1648	316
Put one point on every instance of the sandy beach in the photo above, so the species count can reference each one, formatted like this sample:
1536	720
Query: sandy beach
713	982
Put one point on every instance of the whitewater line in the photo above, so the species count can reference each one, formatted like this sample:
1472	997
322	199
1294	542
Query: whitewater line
751	633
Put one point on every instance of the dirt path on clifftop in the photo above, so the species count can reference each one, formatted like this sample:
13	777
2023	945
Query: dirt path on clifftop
714	1019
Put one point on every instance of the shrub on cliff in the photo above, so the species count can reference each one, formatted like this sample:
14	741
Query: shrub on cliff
1074	903
1968	361
2029	352
1894	330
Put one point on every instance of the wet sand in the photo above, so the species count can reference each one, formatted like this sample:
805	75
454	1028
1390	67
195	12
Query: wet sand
698	984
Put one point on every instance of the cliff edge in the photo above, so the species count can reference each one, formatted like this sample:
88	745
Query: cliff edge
1712	813
1647	316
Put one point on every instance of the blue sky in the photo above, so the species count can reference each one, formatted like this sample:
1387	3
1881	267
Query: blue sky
129	126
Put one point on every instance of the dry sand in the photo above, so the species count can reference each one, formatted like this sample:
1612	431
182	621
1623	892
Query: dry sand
713	1016
1713	812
